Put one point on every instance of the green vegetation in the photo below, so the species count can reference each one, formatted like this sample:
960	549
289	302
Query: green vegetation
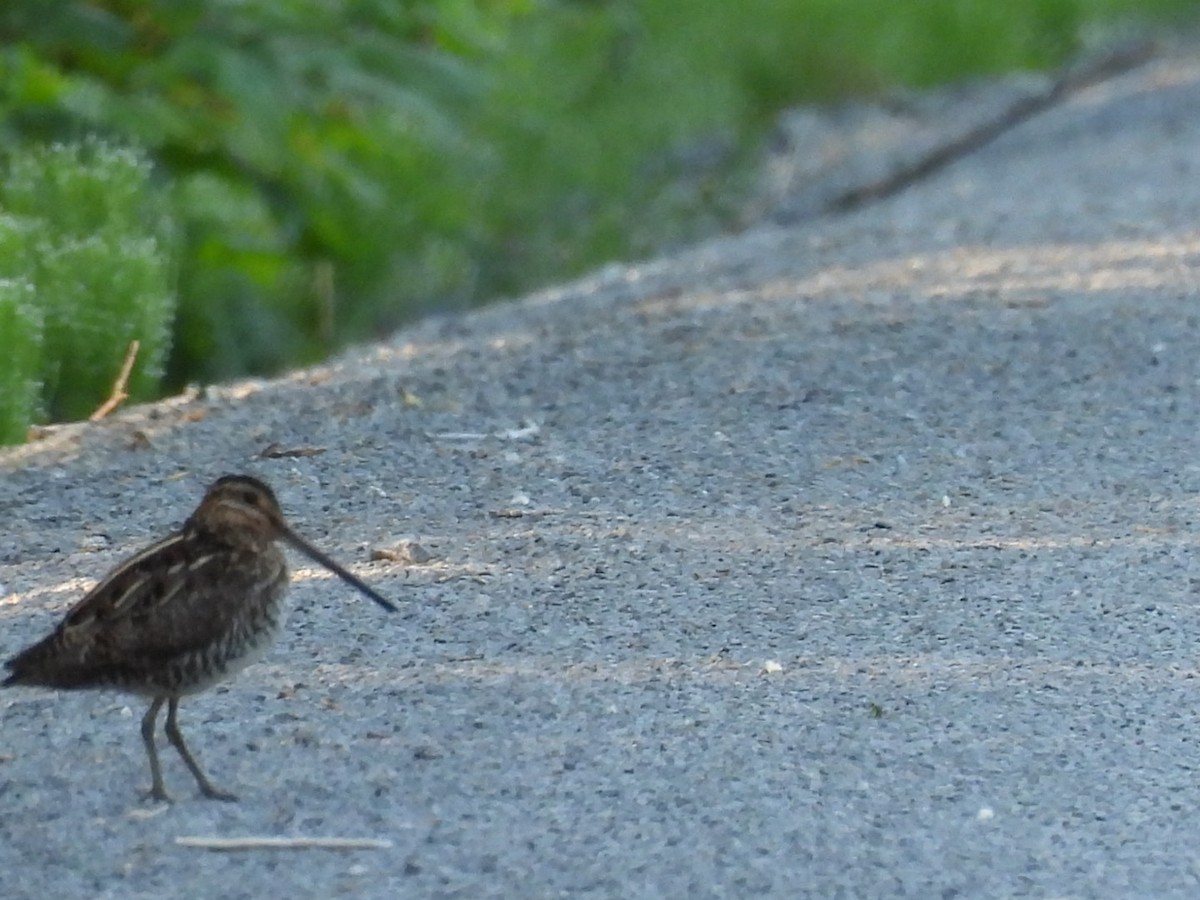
20	346
86	268
336	167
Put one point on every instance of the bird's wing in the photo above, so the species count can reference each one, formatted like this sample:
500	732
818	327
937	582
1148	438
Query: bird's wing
176	596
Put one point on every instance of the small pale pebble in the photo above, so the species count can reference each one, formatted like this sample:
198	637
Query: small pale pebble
94	543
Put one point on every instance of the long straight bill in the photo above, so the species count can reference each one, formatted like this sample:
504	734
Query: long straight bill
317	556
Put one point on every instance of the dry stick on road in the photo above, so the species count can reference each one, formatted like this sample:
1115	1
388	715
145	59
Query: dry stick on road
119	394
284	843
1113	63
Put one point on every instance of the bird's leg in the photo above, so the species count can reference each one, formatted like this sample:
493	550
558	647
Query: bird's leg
176	739
157	791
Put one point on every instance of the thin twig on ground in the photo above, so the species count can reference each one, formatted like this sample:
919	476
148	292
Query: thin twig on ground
283	843
119	393
1072	81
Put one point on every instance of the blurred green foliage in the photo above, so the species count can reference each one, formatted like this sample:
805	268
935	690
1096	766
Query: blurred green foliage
338	166
20	356
85	269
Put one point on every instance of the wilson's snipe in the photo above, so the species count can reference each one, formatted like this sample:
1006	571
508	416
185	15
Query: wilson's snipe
182	615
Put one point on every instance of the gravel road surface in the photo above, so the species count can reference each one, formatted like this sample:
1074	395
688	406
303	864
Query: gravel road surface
849	559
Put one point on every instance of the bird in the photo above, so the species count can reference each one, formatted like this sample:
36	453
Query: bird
182	615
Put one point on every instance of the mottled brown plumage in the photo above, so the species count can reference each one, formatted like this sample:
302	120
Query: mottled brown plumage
182	615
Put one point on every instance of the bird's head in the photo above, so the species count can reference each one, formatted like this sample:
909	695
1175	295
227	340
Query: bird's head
241	505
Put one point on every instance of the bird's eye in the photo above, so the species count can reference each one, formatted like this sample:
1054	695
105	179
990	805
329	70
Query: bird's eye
250	498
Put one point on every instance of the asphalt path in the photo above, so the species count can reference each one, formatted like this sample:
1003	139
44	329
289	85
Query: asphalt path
847	559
